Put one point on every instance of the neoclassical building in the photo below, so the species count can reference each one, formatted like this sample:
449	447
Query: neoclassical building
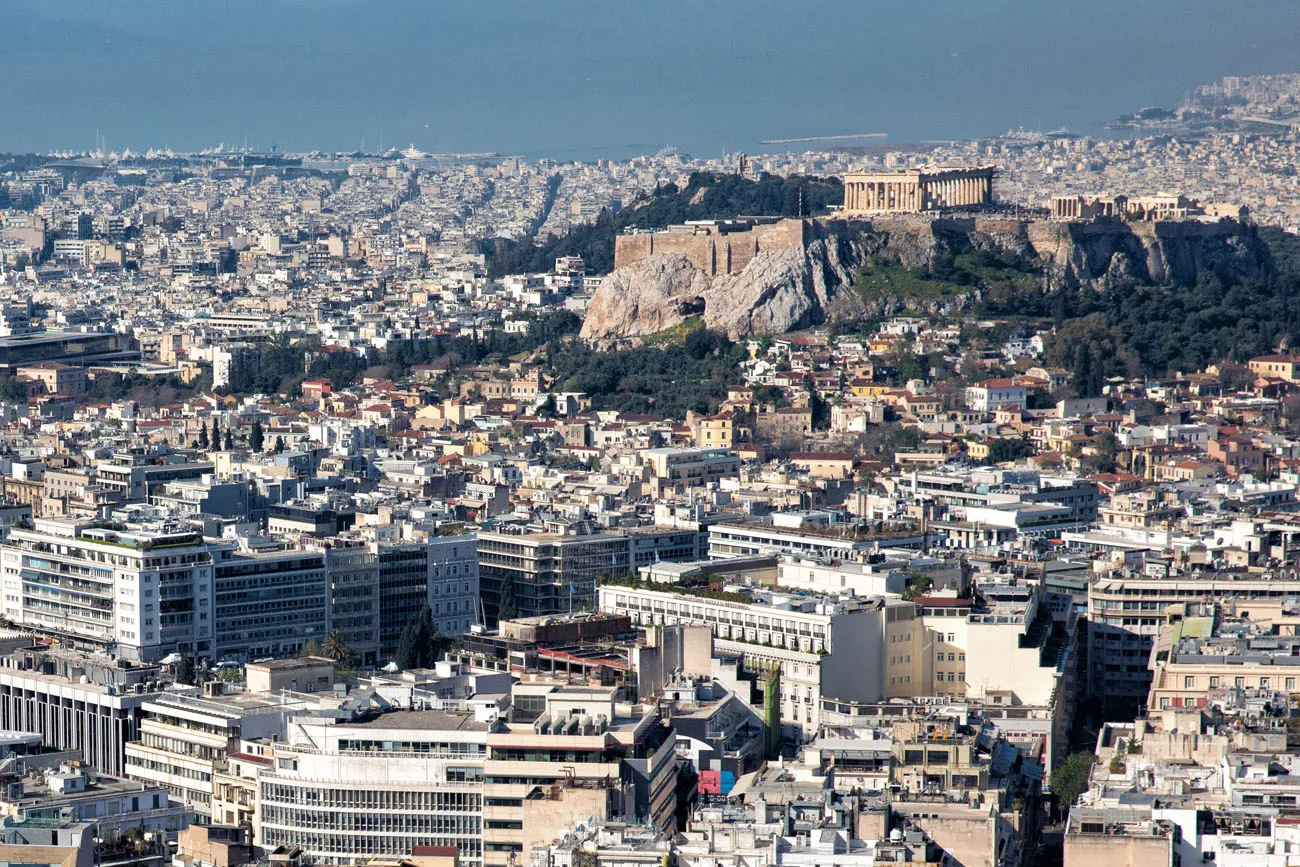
915	190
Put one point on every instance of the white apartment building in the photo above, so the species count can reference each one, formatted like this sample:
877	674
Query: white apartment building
994	394
140	590
754	539
352	786
583	736
822	646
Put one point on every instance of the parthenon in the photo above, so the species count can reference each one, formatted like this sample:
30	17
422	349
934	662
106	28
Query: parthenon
926	189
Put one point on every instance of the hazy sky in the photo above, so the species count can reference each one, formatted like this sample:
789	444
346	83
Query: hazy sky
605	77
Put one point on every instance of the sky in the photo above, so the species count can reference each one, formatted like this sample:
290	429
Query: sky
605	78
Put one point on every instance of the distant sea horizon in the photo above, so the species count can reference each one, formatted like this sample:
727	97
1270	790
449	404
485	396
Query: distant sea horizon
574	79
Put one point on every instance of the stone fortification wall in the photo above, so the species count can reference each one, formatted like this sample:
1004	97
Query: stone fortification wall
709	248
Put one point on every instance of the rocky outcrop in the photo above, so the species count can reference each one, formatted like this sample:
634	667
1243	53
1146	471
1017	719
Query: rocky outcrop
803	285
647	296
1102	253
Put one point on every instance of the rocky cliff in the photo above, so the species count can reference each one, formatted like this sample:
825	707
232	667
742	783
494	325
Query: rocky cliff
800	286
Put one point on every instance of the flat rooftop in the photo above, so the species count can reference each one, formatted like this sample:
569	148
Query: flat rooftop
423	720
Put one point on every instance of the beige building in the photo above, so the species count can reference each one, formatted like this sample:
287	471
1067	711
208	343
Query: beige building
56	377
916	190
304	674
1276	366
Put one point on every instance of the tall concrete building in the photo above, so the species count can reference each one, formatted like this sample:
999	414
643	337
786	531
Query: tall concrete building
442	572
185	740
77	701
554	573
354	784
582	735
268	603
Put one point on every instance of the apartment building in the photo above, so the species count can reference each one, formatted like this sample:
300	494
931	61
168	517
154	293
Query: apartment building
1198	661
994	394
1126	613
694	467
801	537
142	590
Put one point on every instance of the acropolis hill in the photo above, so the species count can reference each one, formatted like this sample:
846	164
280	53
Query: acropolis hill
771	276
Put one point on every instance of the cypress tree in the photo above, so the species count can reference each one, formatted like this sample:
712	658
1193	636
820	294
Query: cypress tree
507	608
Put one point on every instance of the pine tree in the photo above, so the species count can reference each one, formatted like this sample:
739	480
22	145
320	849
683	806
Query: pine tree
256	437
216	433
230	440
203	438
279	445
507	608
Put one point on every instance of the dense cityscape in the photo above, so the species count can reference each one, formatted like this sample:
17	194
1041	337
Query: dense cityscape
933	503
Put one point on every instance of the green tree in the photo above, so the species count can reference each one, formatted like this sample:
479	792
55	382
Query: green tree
1010	449
203	441
279	445
1070	780
407	655
185	671
256	437
215	438
336	647
507	608
918	584
12	390
419	645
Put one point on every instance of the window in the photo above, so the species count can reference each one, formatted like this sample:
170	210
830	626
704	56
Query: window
1214	682
1189	682
1239	681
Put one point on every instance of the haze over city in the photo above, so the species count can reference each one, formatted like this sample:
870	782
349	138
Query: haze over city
583	80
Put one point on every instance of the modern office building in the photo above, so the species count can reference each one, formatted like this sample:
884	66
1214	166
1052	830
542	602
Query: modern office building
442	572
77	701
185	740
354	784
554	573
268	603
354	599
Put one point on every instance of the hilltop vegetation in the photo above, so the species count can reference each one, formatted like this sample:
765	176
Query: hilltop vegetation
1131	328
706	196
